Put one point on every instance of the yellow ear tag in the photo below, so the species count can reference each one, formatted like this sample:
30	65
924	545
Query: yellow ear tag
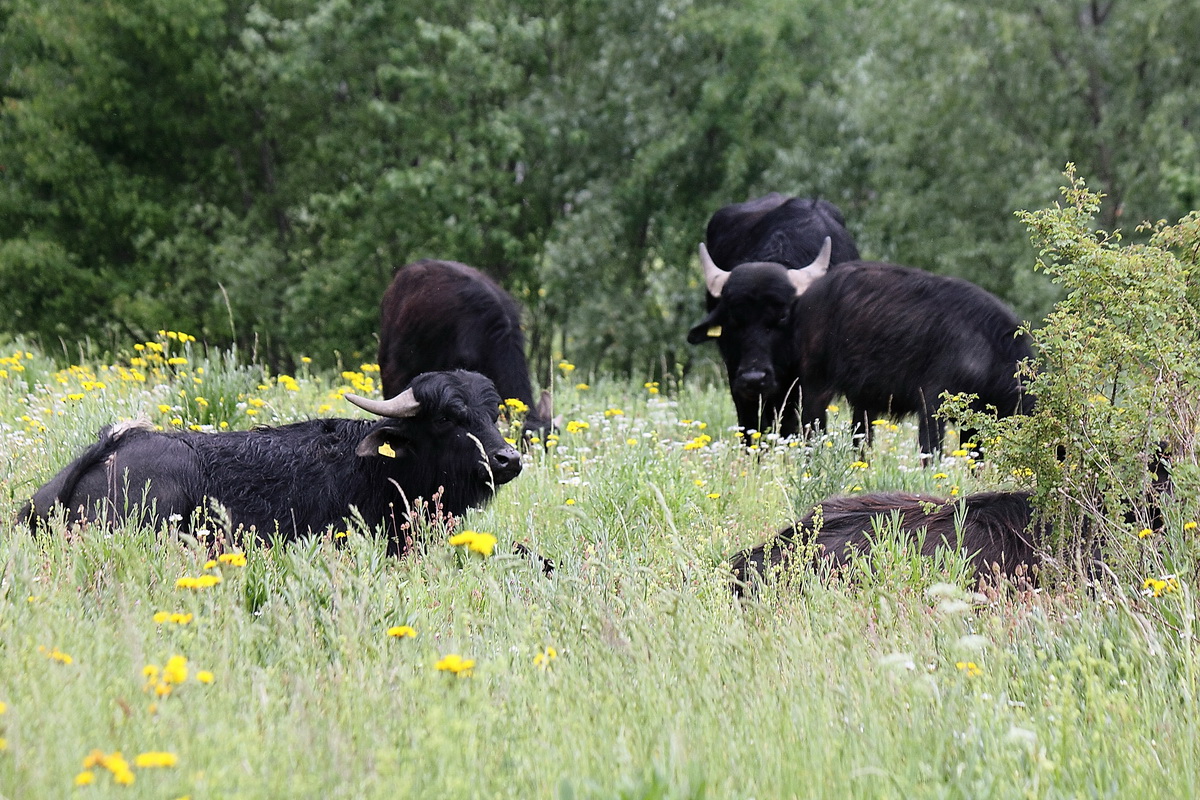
386	450
714	332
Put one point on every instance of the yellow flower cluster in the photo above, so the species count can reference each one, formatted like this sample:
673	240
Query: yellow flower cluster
118	766
566	367
228	559
361	382
699	442
202	582
54	654
482	543
455	664
544	658
177	618
402	631
972	669
516	405
651	387
115	763
1157	587
12	364
614	412
577	426
162	681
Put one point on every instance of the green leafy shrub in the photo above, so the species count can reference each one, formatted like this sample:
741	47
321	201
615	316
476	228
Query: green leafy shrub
1117	382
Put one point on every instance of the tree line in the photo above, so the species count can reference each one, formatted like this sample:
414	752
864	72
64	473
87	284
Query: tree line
252	172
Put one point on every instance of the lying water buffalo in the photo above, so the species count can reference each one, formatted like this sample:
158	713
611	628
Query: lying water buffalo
891	339
439	315
996	533
439	435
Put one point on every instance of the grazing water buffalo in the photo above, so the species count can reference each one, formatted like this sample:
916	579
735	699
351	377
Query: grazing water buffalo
789	231
439	315
891	339
439	435
996	533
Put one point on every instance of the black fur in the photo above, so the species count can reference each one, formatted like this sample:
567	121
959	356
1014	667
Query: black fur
439	315
303	477
996	533
779	229
890	339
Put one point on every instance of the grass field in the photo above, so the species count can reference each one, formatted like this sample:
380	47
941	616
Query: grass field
630	673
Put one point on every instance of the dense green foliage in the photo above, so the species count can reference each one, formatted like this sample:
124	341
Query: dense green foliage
902	684
1117	379
252	172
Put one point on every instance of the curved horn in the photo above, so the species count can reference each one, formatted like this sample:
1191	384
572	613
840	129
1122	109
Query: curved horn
801	279
402	405
714	276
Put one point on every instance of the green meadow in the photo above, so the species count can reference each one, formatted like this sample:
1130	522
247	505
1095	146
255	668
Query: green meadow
134	663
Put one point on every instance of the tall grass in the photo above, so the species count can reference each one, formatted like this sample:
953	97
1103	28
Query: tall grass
903	683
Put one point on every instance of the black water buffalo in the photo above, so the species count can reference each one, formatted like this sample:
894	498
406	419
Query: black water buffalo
890	339
439	435
439	315
996	533
776	229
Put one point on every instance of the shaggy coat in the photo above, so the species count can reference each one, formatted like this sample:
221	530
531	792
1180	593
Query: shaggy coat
440	315
996	533
296	478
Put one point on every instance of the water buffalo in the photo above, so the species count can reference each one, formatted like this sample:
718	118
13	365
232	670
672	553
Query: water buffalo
439	435
776	229
891	339
439	315
996	534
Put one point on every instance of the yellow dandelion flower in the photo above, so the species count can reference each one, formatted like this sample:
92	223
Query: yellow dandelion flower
570	501
566	367
204	676
233	559
155	758
859	465
614	412
713	495
1145	533
161	616
210	564
456	664
575	426
972	669
1189	526
175	670
85	778
582	387
402	631
482	543
544	658
631	442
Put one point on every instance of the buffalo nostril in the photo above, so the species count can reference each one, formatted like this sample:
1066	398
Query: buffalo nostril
506	463
754	379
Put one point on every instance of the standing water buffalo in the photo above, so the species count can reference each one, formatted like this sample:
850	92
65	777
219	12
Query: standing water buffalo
788	231
439	435
995	533
439	315
891	339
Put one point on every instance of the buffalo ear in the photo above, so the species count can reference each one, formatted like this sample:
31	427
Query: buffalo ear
383	441
702	331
